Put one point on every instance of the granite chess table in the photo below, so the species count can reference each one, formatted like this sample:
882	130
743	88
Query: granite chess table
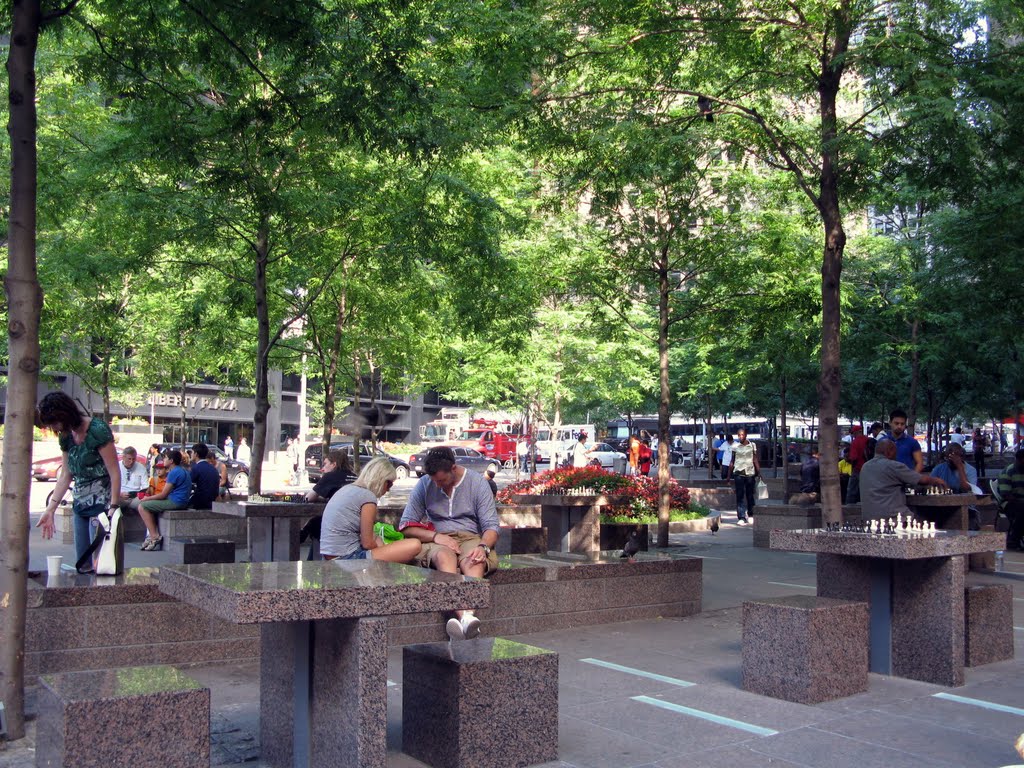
323	645
573	522
949	511
914	587
273	525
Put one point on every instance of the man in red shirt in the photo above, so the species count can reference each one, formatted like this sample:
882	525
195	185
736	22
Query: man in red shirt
857	456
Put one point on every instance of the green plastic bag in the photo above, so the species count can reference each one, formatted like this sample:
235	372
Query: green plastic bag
386	532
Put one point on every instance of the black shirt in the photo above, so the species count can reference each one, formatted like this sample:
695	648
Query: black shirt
206	480
332	481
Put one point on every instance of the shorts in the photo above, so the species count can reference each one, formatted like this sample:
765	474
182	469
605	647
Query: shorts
160	505
467	543
359	554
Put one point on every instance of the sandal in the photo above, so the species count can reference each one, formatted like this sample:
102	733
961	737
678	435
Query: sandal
152	544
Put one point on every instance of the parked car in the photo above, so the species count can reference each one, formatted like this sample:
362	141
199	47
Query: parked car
45	470
606	455
470	458
238	471
315	461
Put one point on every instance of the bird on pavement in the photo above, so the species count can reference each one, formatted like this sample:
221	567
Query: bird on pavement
632	546
714	525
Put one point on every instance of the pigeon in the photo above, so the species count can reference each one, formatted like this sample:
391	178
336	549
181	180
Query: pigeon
632	546
714	525
366	421
704	107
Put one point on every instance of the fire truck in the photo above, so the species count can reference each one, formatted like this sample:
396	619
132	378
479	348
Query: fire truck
446	428
495	439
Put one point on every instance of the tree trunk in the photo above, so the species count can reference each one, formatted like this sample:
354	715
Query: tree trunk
184	414
24	301
710	437
105	382
830	381
915	377
783	405
664	402
259	432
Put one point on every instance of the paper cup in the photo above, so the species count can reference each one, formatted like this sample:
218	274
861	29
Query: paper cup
53	564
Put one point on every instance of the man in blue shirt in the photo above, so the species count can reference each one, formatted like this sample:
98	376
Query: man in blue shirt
958	474
206	478
908	450
452	512
174	495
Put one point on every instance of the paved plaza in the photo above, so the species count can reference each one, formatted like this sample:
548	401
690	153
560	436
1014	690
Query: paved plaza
667	693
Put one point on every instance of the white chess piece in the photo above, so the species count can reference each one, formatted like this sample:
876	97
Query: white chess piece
899	521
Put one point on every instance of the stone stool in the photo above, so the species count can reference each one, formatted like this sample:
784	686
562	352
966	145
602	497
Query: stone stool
805	649
162	719
486	703
988	624
203	549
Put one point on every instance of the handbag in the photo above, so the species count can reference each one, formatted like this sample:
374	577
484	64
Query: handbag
762	490
110	543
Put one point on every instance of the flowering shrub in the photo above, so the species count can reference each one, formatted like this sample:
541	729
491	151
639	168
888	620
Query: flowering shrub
642	492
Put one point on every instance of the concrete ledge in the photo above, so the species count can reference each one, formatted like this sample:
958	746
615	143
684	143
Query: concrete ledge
85	622
792	517
88	622
190	523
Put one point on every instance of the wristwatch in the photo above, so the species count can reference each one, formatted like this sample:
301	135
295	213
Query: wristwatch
487	550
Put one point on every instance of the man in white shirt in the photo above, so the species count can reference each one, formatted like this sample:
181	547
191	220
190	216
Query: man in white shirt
134	476
580	452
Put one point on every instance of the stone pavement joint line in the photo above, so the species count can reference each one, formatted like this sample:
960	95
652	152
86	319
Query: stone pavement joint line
711	718
979	703
639	672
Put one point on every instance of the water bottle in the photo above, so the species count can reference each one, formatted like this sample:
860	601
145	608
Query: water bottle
999	559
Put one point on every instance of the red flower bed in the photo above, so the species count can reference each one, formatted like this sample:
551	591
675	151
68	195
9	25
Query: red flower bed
643	489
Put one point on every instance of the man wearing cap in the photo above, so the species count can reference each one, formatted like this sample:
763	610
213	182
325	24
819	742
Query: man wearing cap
857	456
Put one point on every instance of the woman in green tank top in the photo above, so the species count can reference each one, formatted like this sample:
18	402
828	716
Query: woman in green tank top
89	457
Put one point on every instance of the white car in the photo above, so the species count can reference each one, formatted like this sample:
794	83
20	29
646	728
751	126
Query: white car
606	455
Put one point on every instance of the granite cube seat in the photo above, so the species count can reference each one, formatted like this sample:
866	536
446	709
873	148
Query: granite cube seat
988	620
804	648
203	549
162	718
485	703
522	540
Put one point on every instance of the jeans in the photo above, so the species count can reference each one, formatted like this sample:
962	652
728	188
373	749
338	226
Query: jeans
853	490
84	517
745	500
1015	511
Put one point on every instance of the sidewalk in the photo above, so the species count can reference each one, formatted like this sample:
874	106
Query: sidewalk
674	697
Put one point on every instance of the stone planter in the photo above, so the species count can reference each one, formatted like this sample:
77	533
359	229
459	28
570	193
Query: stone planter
615	535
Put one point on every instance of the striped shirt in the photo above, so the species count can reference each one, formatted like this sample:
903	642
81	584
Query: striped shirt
1011	483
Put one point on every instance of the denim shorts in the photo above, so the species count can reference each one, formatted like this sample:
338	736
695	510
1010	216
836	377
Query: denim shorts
359	554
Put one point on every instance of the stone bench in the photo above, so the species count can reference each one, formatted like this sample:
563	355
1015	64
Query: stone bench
805	649
190	523
202	549
988	624
485	703
80	622
522	540
793	517
137	716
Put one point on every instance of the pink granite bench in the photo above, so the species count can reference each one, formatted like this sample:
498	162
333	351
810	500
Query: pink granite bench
804	648
161	719
485	703
988	619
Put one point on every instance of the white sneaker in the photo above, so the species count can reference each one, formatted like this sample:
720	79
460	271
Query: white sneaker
470	626
455	630
741	521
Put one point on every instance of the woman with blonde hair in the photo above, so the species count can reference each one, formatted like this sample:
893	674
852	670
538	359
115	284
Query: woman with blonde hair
347	529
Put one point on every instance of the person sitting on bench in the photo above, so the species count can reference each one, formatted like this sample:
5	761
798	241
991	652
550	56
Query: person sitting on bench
174	495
